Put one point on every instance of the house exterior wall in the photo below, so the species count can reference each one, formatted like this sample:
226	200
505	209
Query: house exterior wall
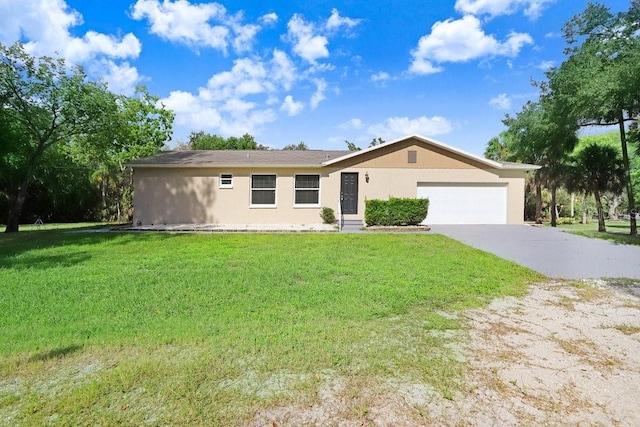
194	196
177	195
393	182
391	175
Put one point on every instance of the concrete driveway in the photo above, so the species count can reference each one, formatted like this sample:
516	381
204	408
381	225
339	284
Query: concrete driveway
550	251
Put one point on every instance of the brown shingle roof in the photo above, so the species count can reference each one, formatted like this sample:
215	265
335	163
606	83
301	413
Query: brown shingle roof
217	158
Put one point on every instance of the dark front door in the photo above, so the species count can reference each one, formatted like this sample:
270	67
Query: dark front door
349	193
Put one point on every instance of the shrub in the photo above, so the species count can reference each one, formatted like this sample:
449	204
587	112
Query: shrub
396	211
566	220
328	215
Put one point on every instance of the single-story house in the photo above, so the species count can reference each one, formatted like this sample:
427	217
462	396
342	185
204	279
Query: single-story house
291	187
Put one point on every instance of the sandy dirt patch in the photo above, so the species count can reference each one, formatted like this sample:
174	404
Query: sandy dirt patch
565	354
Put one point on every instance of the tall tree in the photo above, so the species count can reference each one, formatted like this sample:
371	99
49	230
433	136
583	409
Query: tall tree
46	104
498	148
600	80
138	126
543	134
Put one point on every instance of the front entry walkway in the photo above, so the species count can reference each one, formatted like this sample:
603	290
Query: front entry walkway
235	228
550	251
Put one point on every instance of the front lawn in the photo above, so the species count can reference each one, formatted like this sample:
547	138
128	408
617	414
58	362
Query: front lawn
617	231
61	226
205	329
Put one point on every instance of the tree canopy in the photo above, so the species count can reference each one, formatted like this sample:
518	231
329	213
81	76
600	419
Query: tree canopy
53	119
204	141
541	133
596	169
599	82
299	146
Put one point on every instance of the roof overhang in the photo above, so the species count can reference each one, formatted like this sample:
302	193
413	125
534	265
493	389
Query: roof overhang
221	165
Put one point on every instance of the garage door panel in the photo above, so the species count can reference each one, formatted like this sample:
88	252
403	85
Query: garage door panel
456	203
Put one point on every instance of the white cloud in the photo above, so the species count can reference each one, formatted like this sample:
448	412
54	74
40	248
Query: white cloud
233	117
120	78
250	94
306	43
461	40
268	19
422	66
237	107
182	22
534	8
545	65
46	25
246	77
354	123
336	21
318	96
395	127
192	111
283	69
531	8
92	44
291	107
244	34
198	25
309	40
501	102
243	98
380	77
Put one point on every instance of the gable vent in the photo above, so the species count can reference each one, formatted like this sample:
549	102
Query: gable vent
412	156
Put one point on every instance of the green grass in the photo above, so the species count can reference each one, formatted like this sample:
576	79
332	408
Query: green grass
60	226
208	329
617	231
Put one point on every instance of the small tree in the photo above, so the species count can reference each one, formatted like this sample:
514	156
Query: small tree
376	141
351	146
543	134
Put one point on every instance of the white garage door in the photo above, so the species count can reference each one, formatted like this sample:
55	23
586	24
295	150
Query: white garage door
465	203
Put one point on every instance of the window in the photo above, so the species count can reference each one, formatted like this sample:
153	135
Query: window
263	190
412	156
307	190
226	180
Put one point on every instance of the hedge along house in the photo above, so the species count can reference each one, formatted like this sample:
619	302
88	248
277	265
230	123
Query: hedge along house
291	187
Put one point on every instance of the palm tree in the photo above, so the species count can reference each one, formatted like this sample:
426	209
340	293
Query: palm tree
597	169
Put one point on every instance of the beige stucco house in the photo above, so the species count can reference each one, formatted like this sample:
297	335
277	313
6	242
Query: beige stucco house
291	187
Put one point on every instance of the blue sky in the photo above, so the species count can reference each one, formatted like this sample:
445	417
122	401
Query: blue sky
315	71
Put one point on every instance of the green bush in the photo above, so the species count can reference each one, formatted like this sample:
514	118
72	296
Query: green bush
396	211
566	220
328	215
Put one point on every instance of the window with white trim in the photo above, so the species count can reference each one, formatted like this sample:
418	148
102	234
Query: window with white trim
307	190
226	180
263	190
